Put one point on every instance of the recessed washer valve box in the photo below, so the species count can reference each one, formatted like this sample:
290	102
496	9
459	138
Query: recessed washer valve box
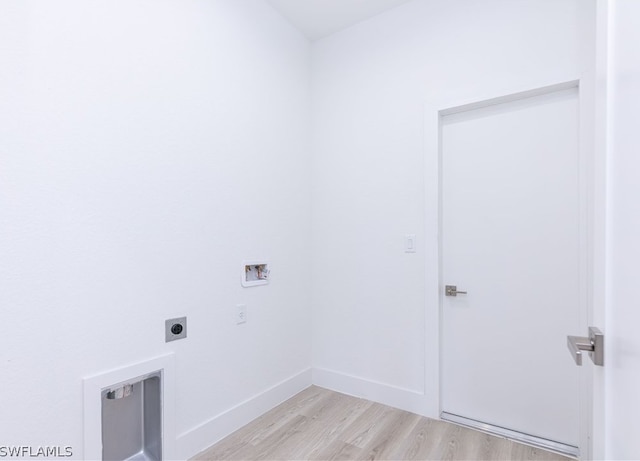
255	273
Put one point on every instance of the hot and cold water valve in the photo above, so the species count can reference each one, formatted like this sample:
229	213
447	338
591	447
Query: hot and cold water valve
255	273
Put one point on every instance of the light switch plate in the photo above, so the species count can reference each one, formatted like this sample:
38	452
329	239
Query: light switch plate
410	243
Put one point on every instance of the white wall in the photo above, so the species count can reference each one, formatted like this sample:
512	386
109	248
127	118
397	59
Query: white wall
146	149
370	86
623	316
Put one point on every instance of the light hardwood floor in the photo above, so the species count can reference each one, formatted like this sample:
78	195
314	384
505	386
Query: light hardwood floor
318	424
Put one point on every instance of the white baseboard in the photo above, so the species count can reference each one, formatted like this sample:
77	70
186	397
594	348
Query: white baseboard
394	396
199	438
195	440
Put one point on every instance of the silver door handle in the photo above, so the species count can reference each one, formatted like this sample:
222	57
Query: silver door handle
593	344
452	290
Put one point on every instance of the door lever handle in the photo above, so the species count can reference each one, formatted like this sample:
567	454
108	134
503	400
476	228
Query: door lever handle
452	290
593	344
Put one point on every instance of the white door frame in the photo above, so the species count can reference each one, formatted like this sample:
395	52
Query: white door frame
592	184
599	128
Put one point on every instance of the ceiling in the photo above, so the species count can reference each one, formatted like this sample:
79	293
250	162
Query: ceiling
319	18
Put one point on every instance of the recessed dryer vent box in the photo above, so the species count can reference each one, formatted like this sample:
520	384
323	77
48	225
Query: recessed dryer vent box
132	420
255	273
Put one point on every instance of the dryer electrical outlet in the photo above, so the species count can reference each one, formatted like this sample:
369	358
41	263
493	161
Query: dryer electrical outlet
175	329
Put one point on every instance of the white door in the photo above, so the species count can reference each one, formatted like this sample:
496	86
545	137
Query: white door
512	239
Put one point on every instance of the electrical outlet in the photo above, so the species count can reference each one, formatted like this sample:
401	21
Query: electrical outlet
175	329
241	314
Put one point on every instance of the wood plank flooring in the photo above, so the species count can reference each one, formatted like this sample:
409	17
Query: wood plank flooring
318	424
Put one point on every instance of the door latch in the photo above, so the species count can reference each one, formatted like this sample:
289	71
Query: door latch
593	344
452	290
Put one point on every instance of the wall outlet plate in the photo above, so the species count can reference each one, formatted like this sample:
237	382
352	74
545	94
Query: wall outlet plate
241	314
175	329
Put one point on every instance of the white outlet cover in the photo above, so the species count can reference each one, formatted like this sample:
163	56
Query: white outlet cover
241	314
